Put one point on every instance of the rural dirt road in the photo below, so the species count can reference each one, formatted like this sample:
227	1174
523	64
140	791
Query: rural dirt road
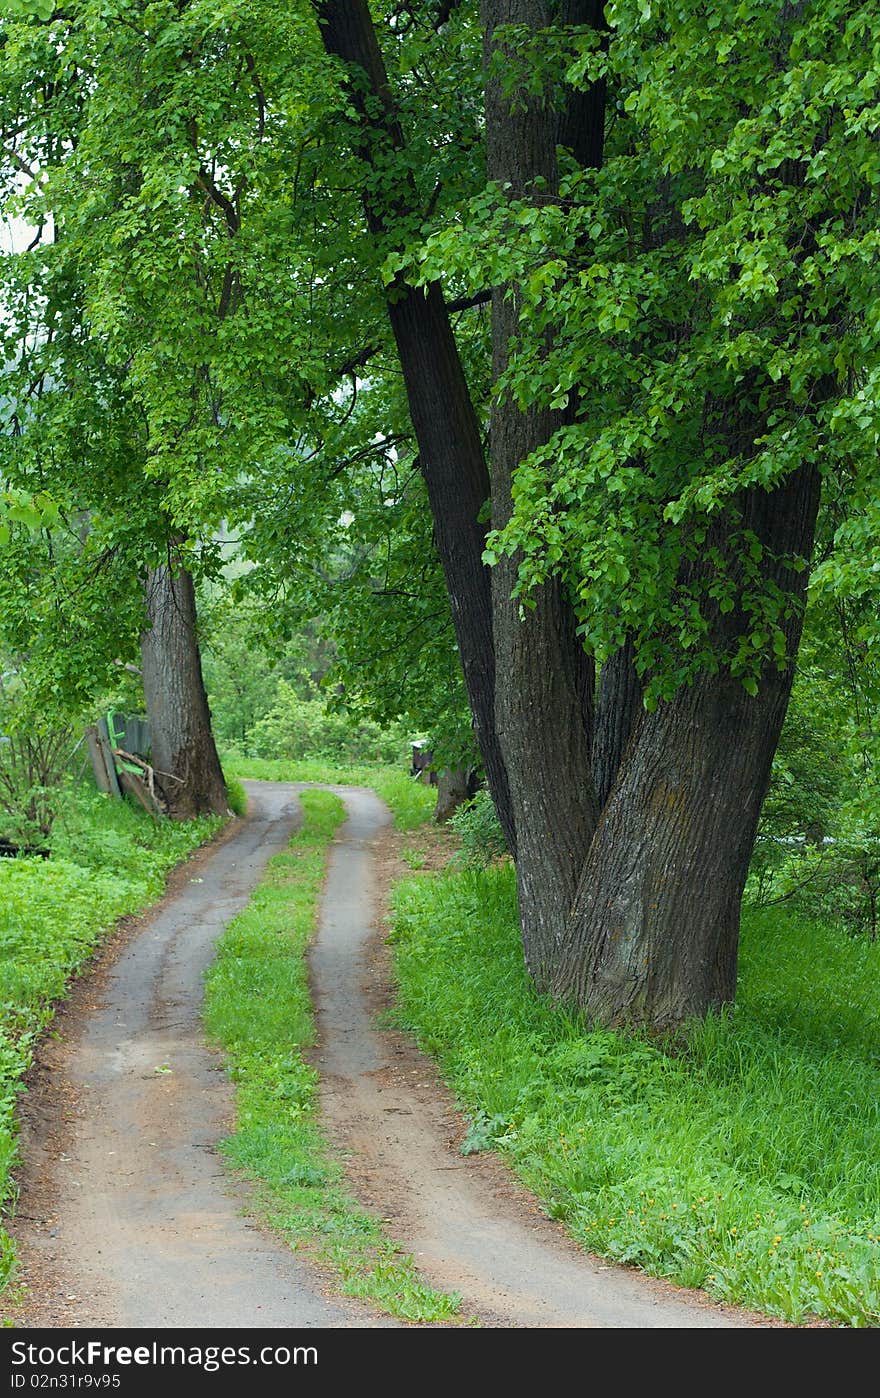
127	1216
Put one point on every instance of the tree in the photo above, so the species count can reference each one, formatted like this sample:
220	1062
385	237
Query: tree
682	292
94	407
679	236
87	576
183	753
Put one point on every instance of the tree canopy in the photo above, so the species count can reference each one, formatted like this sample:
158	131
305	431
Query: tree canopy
266	240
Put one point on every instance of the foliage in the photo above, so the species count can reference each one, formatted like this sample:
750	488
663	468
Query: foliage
171	283
243	658
479	832
34	754
258	1009
108	860
705	302
817	843
366	567
41	8
739	1164
297	728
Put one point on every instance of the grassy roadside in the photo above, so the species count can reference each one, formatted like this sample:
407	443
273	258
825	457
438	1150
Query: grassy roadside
109	860
258	1009
410	801
747	1165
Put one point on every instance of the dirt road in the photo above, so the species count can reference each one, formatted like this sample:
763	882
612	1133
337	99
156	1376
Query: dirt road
127	1216
130	1217
470	1228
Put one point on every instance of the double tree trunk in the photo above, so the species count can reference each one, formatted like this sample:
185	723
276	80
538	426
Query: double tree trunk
184	754
632	914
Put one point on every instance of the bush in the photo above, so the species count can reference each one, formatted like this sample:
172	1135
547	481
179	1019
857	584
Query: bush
297	728
479	830
32	766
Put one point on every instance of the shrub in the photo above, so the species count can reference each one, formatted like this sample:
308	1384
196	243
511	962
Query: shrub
32	766
479	830
297	728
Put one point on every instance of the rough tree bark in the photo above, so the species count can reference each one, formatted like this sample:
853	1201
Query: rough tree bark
452	791
638	924
443	416
654	934
184	754
618	711
542	705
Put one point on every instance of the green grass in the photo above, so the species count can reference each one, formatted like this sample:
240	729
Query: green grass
258	1009
411	803
748	1165
109	859
236	796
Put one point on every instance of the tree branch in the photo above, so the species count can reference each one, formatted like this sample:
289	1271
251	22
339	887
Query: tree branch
230	212
466	303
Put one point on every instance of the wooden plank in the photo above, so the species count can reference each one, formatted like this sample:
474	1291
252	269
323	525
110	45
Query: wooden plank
109	761
96	753
138	789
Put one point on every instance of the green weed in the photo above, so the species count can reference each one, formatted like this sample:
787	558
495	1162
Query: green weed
236	796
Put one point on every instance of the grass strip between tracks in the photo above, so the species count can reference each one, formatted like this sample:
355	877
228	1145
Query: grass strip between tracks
258	1009
411	803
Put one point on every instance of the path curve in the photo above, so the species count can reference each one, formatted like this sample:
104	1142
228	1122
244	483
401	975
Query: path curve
465	1223
145	1228
128	1216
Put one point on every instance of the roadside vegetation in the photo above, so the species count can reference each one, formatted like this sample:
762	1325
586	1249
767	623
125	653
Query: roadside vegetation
743	1159
108	860
259	1010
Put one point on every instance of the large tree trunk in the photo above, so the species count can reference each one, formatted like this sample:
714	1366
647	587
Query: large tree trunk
184	755
653	939
453	789
634	920
540	697
443	416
